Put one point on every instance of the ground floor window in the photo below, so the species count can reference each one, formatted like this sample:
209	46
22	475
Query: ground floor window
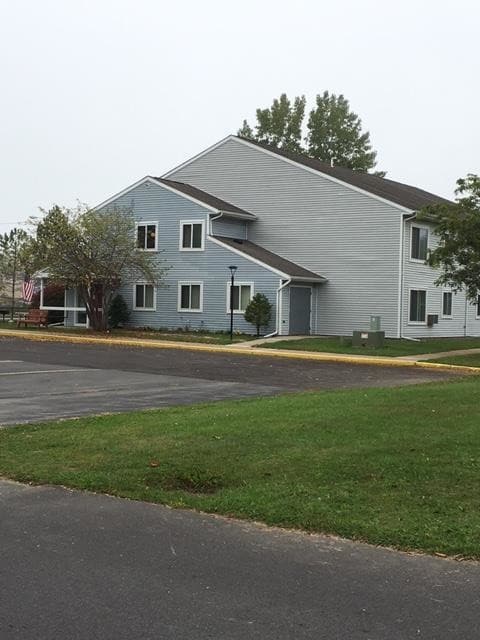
144	297
418	305
478	306
190	296
241	295
447	304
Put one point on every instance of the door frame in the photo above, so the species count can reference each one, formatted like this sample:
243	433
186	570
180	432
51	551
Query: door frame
301	286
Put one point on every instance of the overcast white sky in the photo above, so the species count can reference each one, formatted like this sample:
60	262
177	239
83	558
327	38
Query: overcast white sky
95	94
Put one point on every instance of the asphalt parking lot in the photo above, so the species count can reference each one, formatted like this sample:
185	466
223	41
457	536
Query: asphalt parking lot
49	380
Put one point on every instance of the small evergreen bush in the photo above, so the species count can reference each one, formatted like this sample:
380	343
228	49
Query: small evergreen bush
118	313
258	311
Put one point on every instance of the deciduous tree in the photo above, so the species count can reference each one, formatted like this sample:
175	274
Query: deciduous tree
457	226
333	132
94	252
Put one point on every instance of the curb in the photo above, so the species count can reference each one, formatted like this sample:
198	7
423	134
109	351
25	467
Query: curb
257	351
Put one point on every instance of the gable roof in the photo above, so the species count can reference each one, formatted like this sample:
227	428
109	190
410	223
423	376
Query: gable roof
206	198
270	259
397	192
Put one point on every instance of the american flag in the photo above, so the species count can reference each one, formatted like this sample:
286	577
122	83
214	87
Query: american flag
27	288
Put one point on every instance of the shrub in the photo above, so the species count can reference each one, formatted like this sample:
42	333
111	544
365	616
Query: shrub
258	311
118	313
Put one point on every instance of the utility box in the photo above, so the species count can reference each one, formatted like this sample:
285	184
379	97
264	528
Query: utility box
375	323
372	338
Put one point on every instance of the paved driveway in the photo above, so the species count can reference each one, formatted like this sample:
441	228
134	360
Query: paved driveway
43	380
79	566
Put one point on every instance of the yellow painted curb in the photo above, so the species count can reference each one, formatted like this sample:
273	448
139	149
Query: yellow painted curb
256	351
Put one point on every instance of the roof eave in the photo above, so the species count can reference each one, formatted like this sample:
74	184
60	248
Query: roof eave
236	214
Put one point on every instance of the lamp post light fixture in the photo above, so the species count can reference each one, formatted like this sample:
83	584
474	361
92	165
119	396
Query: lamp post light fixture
232	283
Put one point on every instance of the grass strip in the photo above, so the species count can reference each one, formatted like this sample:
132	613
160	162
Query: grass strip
392	347
397	467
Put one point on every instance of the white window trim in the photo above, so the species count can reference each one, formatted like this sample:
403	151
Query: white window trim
418	260
179	299
449	317
142	223
239	283
180	240
134	305
416	322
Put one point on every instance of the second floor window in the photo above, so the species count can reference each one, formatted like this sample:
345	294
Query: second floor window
147	237
191	236
419	243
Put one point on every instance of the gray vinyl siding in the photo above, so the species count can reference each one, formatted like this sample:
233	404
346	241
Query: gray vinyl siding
419	276
229	228
349	237
154	204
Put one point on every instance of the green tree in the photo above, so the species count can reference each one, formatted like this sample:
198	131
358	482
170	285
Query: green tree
334	132
13	261
94	252
258	311
457	226
279	125
118	313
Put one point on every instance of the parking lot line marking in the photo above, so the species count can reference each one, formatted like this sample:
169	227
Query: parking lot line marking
23	373
9	361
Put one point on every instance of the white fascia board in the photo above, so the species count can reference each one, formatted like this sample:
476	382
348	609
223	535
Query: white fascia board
240	216
292	162
247	257
324	175
122	193
199	155
149	179
285	276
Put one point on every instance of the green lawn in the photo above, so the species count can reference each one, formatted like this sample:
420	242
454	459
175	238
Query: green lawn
398	467
392	347
472	360
205	337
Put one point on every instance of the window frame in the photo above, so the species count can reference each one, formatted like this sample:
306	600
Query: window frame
145	284
477	308
183	223
417	322
239	283
411	258
184	283
145	224
444	315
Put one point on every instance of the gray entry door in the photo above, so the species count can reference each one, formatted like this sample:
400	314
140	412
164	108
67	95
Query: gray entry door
300	310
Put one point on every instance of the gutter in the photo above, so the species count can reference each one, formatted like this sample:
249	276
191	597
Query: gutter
211	219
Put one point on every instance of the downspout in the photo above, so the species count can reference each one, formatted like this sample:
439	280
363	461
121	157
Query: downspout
402	277
277	322
211	220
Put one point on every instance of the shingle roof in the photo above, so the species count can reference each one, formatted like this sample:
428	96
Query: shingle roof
206	198
402	194
270	259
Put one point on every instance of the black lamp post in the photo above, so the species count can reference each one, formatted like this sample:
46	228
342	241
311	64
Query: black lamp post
232	271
